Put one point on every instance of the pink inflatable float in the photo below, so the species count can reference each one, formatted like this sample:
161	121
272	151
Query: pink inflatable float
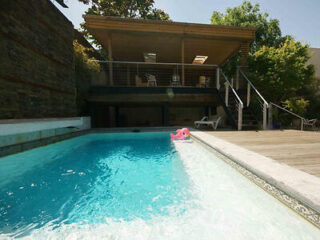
181	134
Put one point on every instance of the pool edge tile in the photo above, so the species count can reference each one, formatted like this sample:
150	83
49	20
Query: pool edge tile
293	202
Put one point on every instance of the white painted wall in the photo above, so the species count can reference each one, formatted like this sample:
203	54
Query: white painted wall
24	130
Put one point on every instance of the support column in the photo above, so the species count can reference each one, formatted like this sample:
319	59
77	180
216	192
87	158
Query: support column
182	61
128	75
165	115
110	59
112	116
248	94
270	121
237	78
227	94
218	78
116	116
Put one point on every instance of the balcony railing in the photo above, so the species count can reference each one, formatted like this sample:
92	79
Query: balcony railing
150	74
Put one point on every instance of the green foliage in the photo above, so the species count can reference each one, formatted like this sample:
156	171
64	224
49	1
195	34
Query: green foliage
127	9
268	31
84	66
298	106
277	64
281	72
143	9
82	59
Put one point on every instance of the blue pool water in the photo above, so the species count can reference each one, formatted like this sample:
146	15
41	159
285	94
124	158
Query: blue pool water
136	186
91	179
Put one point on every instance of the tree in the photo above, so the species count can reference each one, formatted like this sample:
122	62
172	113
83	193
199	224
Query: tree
247	15
143	9
277	64
84	67
281	73
268	31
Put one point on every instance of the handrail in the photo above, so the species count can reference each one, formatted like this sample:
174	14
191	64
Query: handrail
302	119
230	85
240	107
155	63
258	93
282	108
265	103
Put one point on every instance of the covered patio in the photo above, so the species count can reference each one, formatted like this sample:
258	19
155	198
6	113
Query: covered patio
160	53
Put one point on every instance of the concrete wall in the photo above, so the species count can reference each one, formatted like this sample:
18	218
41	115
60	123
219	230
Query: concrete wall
315	60
14	132
36	55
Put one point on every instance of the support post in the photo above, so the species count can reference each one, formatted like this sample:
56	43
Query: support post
248	94
227	94
270	117
264	123
301	126
128	75
165	115
240	117
182	61
112	116
218	78
110	59
237	78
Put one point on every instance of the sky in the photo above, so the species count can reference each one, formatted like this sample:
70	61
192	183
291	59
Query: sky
299	18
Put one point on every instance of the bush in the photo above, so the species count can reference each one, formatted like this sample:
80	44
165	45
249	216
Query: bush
298	106
84	66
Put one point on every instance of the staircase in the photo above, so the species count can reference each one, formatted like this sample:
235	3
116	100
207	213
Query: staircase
241	116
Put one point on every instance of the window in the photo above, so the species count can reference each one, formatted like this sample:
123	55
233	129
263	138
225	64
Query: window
199	59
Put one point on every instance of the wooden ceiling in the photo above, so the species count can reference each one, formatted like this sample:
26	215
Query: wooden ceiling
130	38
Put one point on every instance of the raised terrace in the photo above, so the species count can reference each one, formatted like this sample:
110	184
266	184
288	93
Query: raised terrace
165	72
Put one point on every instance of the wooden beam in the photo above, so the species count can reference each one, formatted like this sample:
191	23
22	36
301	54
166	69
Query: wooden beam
154	98
114	23
182	61
110	59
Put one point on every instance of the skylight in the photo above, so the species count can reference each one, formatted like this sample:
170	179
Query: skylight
150	57
199	59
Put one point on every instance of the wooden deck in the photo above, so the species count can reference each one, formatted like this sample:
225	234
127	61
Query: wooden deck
299	149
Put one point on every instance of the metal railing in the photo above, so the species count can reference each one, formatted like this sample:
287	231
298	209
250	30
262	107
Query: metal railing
262	102
302	119
239	103
156	74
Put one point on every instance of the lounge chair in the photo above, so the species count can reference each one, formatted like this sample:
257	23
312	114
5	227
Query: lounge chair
205	122
309	123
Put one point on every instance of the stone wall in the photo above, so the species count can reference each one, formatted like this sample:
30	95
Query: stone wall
315	60
36	57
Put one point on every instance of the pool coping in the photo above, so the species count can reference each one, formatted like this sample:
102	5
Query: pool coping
298	190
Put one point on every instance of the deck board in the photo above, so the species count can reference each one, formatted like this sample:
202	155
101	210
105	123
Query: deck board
299	149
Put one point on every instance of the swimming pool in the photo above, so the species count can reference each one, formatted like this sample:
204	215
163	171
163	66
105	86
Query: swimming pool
136	186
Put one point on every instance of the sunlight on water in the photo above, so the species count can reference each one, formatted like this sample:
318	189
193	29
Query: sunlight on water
107	176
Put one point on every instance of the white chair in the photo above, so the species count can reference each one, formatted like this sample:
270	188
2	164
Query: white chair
309	123
205	122
175	82
152	82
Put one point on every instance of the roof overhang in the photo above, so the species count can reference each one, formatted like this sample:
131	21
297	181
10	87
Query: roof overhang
131	38
61	2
